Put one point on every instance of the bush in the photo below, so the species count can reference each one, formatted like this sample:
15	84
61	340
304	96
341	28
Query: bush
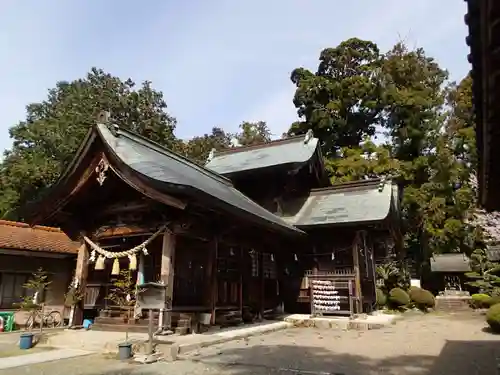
422	298
493	318
381	298
481	301
399	298
493	301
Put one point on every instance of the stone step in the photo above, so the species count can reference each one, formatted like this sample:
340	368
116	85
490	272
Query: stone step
119	321
120	328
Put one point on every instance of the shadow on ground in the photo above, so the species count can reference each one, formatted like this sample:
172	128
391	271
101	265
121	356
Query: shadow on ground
457	358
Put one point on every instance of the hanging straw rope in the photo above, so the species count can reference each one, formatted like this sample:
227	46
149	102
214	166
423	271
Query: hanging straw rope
131	253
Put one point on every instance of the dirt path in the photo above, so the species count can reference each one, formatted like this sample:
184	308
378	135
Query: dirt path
423	345
430	344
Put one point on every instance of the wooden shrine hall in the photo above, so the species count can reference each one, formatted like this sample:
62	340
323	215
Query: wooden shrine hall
222	244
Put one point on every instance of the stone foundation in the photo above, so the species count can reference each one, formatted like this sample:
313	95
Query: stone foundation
361	323
453	303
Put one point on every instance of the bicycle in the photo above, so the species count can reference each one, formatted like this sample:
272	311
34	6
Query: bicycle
38	319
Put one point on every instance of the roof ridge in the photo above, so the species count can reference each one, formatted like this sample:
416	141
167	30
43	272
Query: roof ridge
234	150
372	182
19	224
163	150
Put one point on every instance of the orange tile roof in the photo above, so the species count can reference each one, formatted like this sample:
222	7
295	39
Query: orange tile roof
20	236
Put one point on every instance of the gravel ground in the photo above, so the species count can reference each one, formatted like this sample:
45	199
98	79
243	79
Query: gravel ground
419	345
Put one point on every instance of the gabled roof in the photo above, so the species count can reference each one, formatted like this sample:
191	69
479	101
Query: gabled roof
20	236
450	263
291	151
166	172
174	171
357	202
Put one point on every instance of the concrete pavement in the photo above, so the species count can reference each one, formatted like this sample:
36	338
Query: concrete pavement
40	357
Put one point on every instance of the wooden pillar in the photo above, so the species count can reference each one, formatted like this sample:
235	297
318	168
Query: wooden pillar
81	273
357	275
139	281
212	262
240	287
260	255
140	269
167	275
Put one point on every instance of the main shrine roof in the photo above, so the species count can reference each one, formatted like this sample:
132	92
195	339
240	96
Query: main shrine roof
290	151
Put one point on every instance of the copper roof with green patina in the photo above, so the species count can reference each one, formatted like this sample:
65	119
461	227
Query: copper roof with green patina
349	203
290	151
173	171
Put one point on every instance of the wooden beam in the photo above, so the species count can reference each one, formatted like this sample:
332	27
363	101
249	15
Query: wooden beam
81	273
213	278
119	208
167	274
260	255
357	274
133	181
240	287
37	253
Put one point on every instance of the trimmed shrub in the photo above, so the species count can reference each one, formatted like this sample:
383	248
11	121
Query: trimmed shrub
423	299
399	298
493	301
493	318
413	287
481	301
414	290
381	298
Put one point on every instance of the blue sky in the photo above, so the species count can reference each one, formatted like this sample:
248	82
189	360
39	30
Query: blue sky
218	62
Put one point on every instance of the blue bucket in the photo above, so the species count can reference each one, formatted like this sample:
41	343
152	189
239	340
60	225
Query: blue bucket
87	323
26	341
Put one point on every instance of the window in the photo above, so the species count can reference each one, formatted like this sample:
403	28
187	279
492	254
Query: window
11	288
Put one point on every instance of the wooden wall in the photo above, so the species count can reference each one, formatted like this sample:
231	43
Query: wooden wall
60	271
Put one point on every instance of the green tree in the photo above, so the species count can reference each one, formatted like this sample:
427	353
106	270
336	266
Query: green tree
366	161
198	148
413	97
251	133
340	102
450	194
45	142
460	125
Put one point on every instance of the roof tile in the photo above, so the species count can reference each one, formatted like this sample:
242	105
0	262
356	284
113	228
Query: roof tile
20	236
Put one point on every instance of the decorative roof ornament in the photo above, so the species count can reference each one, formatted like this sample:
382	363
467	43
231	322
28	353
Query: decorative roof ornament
211	155
104	117
309	136
382	183
101	170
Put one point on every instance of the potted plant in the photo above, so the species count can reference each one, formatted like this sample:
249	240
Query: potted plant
123	295
30	302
